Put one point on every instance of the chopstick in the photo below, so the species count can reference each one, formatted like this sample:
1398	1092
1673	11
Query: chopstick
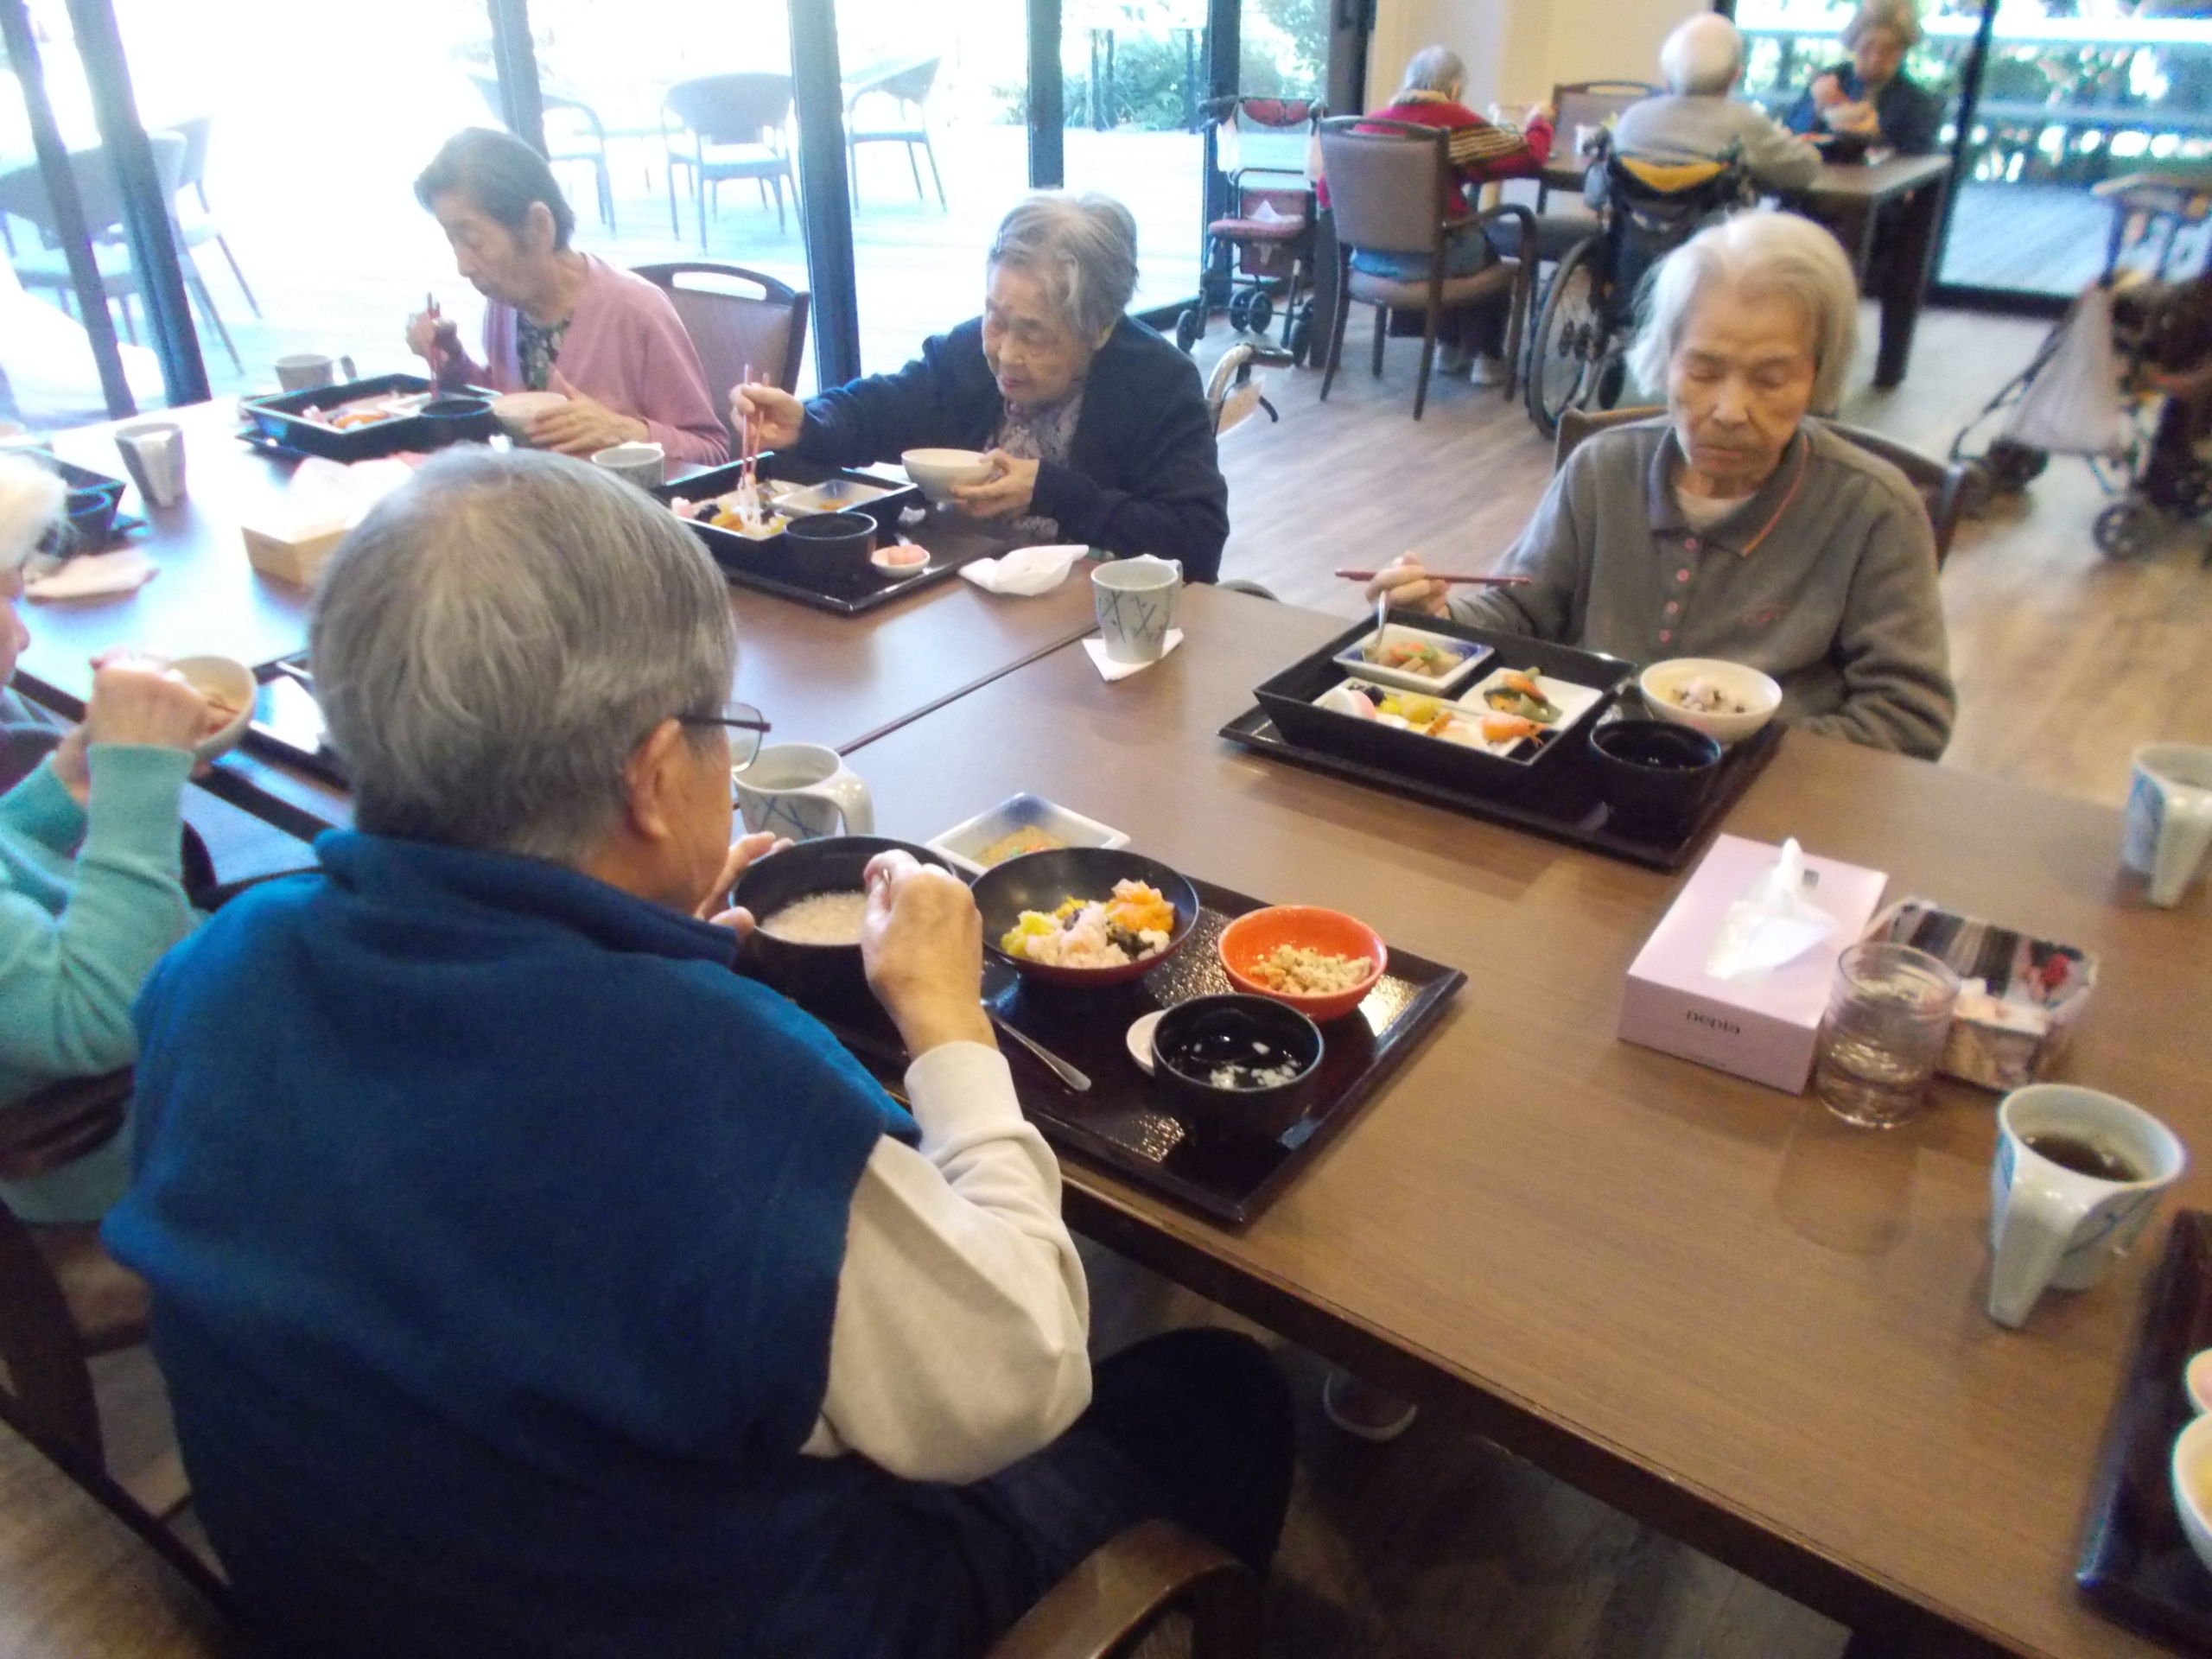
1446	578
437	352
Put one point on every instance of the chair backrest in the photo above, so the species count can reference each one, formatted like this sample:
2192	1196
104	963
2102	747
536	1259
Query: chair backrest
731	329
732	109
23	193
1595	103
1942	485
912	84
1387	183
191	169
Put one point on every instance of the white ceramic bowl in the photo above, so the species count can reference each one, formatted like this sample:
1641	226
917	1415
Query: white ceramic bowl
517	410
1662	681
219	678
2192	1484
2196	1377
938	470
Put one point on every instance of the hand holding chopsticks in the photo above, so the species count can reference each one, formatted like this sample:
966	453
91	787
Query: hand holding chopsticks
1447	580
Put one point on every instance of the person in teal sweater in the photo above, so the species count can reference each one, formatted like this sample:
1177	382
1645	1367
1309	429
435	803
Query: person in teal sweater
90	894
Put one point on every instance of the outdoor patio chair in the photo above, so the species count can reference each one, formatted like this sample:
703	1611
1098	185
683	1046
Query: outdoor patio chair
907	84
1944	486
573	132
197	229
735	124
23	193
733	330
1393	189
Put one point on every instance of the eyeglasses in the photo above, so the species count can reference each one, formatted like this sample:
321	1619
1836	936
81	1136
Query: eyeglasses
744	723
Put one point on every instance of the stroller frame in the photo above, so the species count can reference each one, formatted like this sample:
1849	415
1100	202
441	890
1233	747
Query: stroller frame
1244	264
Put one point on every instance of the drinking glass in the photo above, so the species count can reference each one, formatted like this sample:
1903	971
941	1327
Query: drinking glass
1888	1015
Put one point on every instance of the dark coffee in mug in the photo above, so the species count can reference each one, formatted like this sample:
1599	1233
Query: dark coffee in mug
2082	1157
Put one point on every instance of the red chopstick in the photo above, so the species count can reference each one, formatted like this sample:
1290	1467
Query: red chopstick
1443	577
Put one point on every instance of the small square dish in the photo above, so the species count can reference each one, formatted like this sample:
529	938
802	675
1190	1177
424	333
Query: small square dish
1512	714
1434	662
1022	824
838	495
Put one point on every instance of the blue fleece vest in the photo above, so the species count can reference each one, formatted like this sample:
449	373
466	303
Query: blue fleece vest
494	1227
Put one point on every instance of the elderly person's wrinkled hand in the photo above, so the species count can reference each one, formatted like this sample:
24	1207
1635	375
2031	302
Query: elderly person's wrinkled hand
776	416
433	339
1006	494
745	852
921	943
136	699
583	425
1407	587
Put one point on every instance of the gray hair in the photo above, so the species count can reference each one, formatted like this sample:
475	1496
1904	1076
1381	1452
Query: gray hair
1700	59
1764	252
31	499
494	640
1900	17
1431	69
1082	248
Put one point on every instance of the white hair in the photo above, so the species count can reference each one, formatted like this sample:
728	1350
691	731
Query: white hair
1700	59
31	499
1082	248
1760	252
494	640
1900	17
1431	69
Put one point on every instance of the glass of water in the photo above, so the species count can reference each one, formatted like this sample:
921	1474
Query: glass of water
1879	1042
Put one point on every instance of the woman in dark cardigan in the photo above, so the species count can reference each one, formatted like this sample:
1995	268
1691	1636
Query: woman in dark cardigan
1097	429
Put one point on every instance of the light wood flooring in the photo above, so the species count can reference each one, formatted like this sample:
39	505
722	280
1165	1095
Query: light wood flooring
1439	1544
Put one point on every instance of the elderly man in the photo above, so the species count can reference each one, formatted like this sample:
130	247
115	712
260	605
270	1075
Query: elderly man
528	1283
1098	428
1696	120
1732	527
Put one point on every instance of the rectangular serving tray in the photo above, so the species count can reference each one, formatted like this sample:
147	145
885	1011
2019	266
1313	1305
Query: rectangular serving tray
1121	1121
278	420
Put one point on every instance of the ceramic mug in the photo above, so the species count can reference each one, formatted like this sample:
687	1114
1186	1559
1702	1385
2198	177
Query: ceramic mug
804	791
2077	1177
2168	824
153	453
643	464
1137	606
304	370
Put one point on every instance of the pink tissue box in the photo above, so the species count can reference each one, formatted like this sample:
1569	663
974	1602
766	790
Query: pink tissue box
1763	1028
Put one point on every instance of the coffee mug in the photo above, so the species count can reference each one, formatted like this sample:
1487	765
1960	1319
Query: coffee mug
2077	1177
1136	600
304	370
2168	824
641	463
804	791
153	453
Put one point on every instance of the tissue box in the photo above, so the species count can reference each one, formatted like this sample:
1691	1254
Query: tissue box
2016	1028
1762	1029
290	550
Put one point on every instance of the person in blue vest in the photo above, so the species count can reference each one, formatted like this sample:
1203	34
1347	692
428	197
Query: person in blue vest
1098	428
527	1282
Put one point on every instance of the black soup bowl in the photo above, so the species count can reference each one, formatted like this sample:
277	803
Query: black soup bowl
1653	774
1046	880
1235	1067
823	546
457	420
811	975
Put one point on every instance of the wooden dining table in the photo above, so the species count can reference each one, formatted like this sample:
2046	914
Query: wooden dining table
1708	1302
820	677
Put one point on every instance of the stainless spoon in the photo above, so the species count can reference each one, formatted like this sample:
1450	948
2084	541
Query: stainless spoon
1067	1074
1374	652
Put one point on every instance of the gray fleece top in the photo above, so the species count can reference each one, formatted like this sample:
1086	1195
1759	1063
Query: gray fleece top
1700	127
1825	579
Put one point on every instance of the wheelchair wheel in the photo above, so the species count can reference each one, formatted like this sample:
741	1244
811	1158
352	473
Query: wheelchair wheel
2127	529
1189	327
1240	310
1260	313
1569	338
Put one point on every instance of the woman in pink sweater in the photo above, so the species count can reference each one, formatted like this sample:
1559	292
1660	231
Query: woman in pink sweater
559	321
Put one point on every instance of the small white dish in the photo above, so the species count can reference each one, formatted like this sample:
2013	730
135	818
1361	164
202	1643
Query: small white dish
1140	1038
223	681
2196	1377
964	843
1662	682
938	471
1471	655
838	495
517	410
2192	1486
1572	701
887	559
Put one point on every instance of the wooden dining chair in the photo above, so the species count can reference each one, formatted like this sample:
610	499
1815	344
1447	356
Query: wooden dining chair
737	318
1945	487
1393	189
1588	103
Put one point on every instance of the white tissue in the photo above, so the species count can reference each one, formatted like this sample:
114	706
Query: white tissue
1772	924
1027	571
331	493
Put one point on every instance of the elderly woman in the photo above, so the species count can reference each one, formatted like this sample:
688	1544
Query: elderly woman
1871	94
90	888
1098	428
527	1282
1696	119
559	321
1732	527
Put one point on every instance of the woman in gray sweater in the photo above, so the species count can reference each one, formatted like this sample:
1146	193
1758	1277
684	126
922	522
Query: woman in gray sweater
1731	527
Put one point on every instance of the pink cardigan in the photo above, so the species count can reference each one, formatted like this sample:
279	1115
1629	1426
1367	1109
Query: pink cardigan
626	347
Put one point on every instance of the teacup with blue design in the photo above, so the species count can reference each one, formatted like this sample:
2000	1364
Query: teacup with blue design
804	792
